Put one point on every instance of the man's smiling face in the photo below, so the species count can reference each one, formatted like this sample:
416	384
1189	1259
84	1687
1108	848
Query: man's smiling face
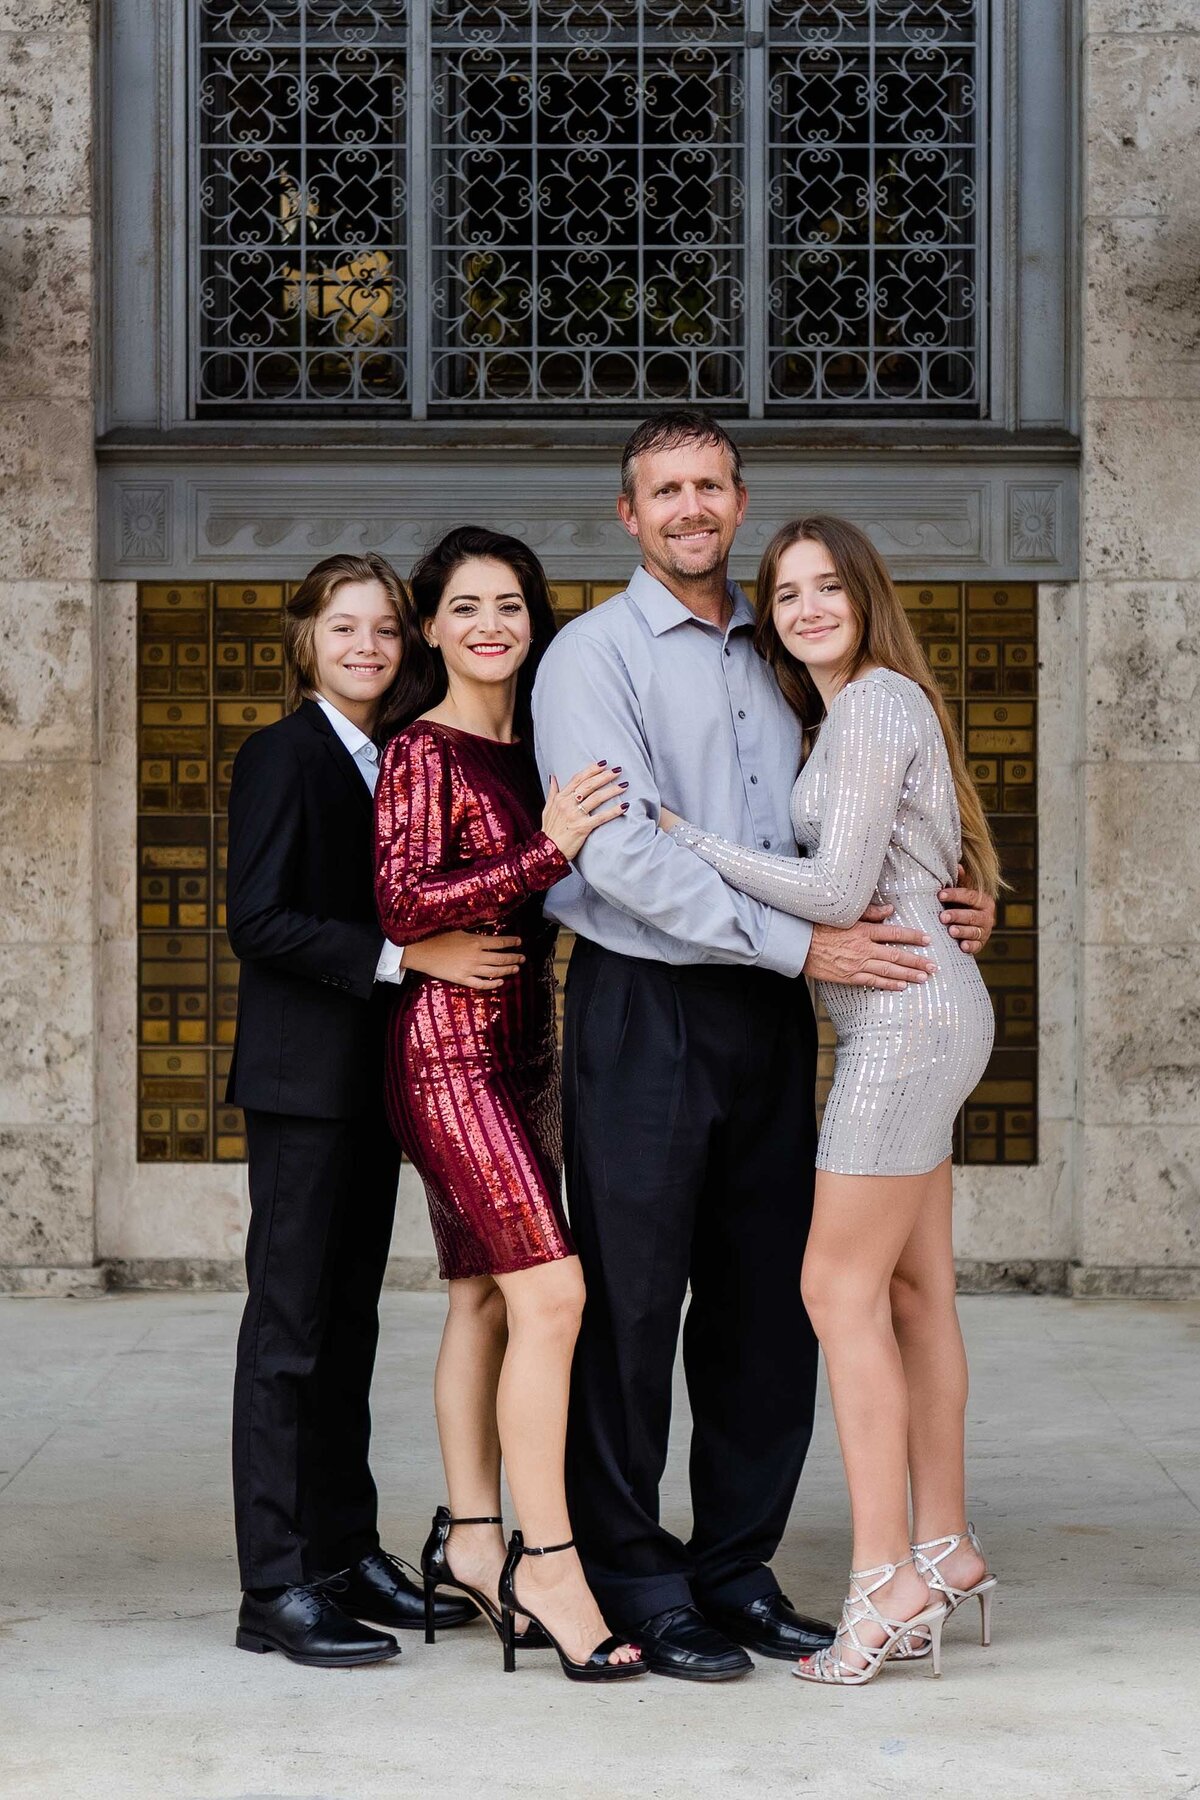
685	511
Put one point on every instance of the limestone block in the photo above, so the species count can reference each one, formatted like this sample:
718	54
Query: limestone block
1139	1199
1141	15
46	102
46	319
45	1194
1143	857
1142	124
1142	306
1058	674
1139	489
116	800
1056	1022
1001	1215
47	473
45	670
42	16
46	854
1141	1036
1143	681
46	1036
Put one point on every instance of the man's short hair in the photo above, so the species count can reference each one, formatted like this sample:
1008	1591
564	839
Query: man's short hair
670	430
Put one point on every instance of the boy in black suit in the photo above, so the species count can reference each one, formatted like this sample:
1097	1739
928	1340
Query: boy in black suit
307	1069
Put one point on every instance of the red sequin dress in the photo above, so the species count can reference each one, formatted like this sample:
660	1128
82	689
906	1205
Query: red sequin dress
472	1078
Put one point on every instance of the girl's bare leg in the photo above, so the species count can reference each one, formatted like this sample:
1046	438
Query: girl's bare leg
860	1226
464	1396
925	1318
544	1309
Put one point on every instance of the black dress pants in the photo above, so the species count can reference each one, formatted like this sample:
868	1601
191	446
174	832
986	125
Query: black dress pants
322	1201
690	1146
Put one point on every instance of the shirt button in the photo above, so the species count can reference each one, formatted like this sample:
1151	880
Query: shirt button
754	781
766	843
741	715
728	651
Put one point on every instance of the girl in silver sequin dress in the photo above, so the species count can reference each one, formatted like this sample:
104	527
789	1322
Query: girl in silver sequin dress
885	809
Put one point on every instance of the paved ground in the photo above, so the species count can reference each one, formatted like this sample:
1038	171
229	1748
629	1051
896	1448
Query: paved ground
117	1589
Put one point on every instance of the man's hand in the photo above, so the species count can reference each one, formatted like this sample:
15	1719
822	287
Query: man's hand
972	918
465	959
868	954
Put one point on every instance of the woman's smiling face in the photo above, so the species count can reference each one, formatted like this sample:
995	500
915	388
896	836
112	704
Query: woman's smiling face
482	625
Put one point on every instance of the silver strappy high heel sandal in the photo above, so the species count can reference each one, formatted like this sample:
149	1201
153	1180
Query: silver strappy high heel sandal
830	1665
917	1645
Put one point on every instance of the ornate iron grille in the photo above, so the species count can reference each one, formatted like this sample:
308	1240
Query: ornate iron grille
873	222
302	206
769	206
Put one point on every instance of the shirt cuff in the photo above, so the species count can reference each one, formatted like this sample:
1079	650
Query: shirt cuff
390	966
786	945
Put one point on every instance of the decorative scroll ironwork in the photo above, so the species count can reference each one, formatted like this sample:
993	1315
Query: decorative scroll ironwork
211	672
872	205
622	202
588	205
302	207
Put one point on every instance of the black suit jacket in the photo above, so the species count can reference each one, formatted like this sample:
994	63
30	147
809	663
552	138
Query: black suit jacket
301	917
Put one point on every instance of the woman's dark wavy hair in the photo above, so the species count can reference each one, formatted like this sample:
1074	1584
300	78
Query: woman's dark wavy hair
421	683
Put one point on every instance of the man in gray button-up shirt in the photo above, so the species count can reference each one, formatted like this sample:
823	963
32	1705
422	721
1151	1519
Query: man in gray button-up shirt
688	1077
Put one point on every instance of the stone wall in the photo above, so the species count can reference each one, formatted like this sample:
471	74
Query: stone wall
1137	1206
47	629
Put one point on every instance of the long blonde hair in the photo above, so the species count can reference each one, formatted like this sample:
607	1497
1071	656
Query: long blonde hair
885	639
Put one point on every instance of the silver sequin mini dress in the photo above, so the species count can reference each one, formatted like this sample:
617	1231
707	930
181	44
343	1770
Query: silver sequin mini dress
875	809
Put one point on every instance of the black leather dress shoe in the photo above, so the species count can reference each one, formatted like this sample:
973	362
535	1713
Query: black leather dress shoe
378	1589
679	1642
770	1627
307	1627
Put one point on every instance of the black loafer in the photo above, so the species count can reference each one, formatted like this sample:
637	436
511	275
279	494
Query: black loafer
770	1627
678	1642
308	1628
378	1589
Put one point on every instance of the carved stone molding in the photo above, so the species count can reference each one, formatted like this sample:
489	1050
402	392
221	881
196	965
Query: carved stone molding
145	522
1033	524
196	518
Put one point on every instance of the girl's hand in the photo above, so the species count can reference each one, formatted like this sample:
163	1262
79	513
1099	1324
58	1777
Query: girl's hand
667	820
573	812
466	960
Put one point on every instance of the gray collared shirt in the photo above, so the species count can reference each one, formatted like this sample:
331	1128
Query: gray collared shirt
697	723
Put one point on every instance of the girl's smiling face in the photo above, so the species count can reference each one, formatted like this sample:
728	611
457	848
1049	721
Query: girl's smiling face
356	645
814	615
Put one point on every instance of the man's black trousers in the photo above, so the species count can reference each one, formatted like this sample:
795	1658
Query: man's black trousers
690	1144
322	1200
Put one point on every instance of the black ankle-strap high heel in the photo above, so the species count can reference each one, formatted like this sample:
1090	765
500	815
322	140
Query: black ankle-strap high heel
436	1570
597	1667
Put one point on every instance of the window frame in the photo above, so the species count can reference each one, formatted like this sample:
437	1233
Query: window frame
149	164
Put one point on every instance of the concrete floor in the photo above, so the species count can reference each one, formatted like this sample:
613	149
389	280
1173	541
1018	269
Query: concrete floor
117	1591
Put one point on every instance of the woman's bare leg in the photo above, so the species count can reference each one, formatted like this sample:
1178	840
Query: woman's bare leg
860	1226
925	1318
544	1309
464	1397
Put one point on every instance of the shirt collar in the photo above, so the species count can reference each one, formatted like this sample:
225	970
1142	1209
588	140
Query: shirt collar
354	739
662	611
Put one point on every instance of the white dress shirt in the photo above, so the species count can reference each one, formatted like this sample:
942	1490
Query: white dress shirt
366	759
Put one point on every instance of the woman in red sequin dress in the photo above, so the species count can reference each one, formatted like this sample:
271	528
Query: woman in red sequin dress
463	840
